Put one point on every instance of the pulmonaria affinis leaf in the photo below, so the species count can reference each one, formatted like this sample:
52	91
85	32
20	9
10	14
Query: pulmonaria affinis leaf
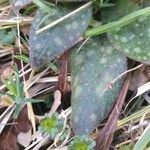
52	42
92	70
133	40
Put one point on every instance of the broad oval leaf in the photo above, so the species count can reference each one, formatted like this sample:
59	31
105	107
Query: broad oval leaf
52	42
133	40
92	70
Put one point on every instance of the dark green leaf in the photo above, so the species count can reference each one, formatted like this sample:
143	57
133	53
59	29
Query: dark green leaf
92	70
55	40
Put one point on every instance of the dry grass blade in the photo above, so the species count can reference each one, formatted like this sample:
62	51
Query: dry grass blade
56	104
5	116
13	21
134	117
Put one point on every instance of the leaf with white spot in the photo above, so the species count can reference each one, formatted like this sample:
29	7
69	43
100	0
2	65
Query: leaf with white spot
68	25
133	40
92	70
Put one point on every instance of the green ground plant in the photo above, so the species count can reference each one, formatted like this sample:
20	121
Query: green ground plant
100	37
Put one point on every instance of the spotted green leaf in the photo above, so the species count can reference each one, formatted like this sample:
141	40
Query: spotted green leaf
133	40
52	42
92	70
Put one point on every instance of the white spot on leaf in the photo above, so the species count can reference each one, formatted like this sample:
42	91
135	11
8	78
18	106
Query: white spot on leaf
145	58
67	26
76	119
58	41
38	46
137	25
79	59
90	53
137	50
74	25
124	39
103	60
83	23
132	36
93	117
77	91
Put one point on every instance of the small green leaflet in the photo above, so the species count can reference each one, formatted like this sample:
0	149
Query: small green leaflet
53	41
92	70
